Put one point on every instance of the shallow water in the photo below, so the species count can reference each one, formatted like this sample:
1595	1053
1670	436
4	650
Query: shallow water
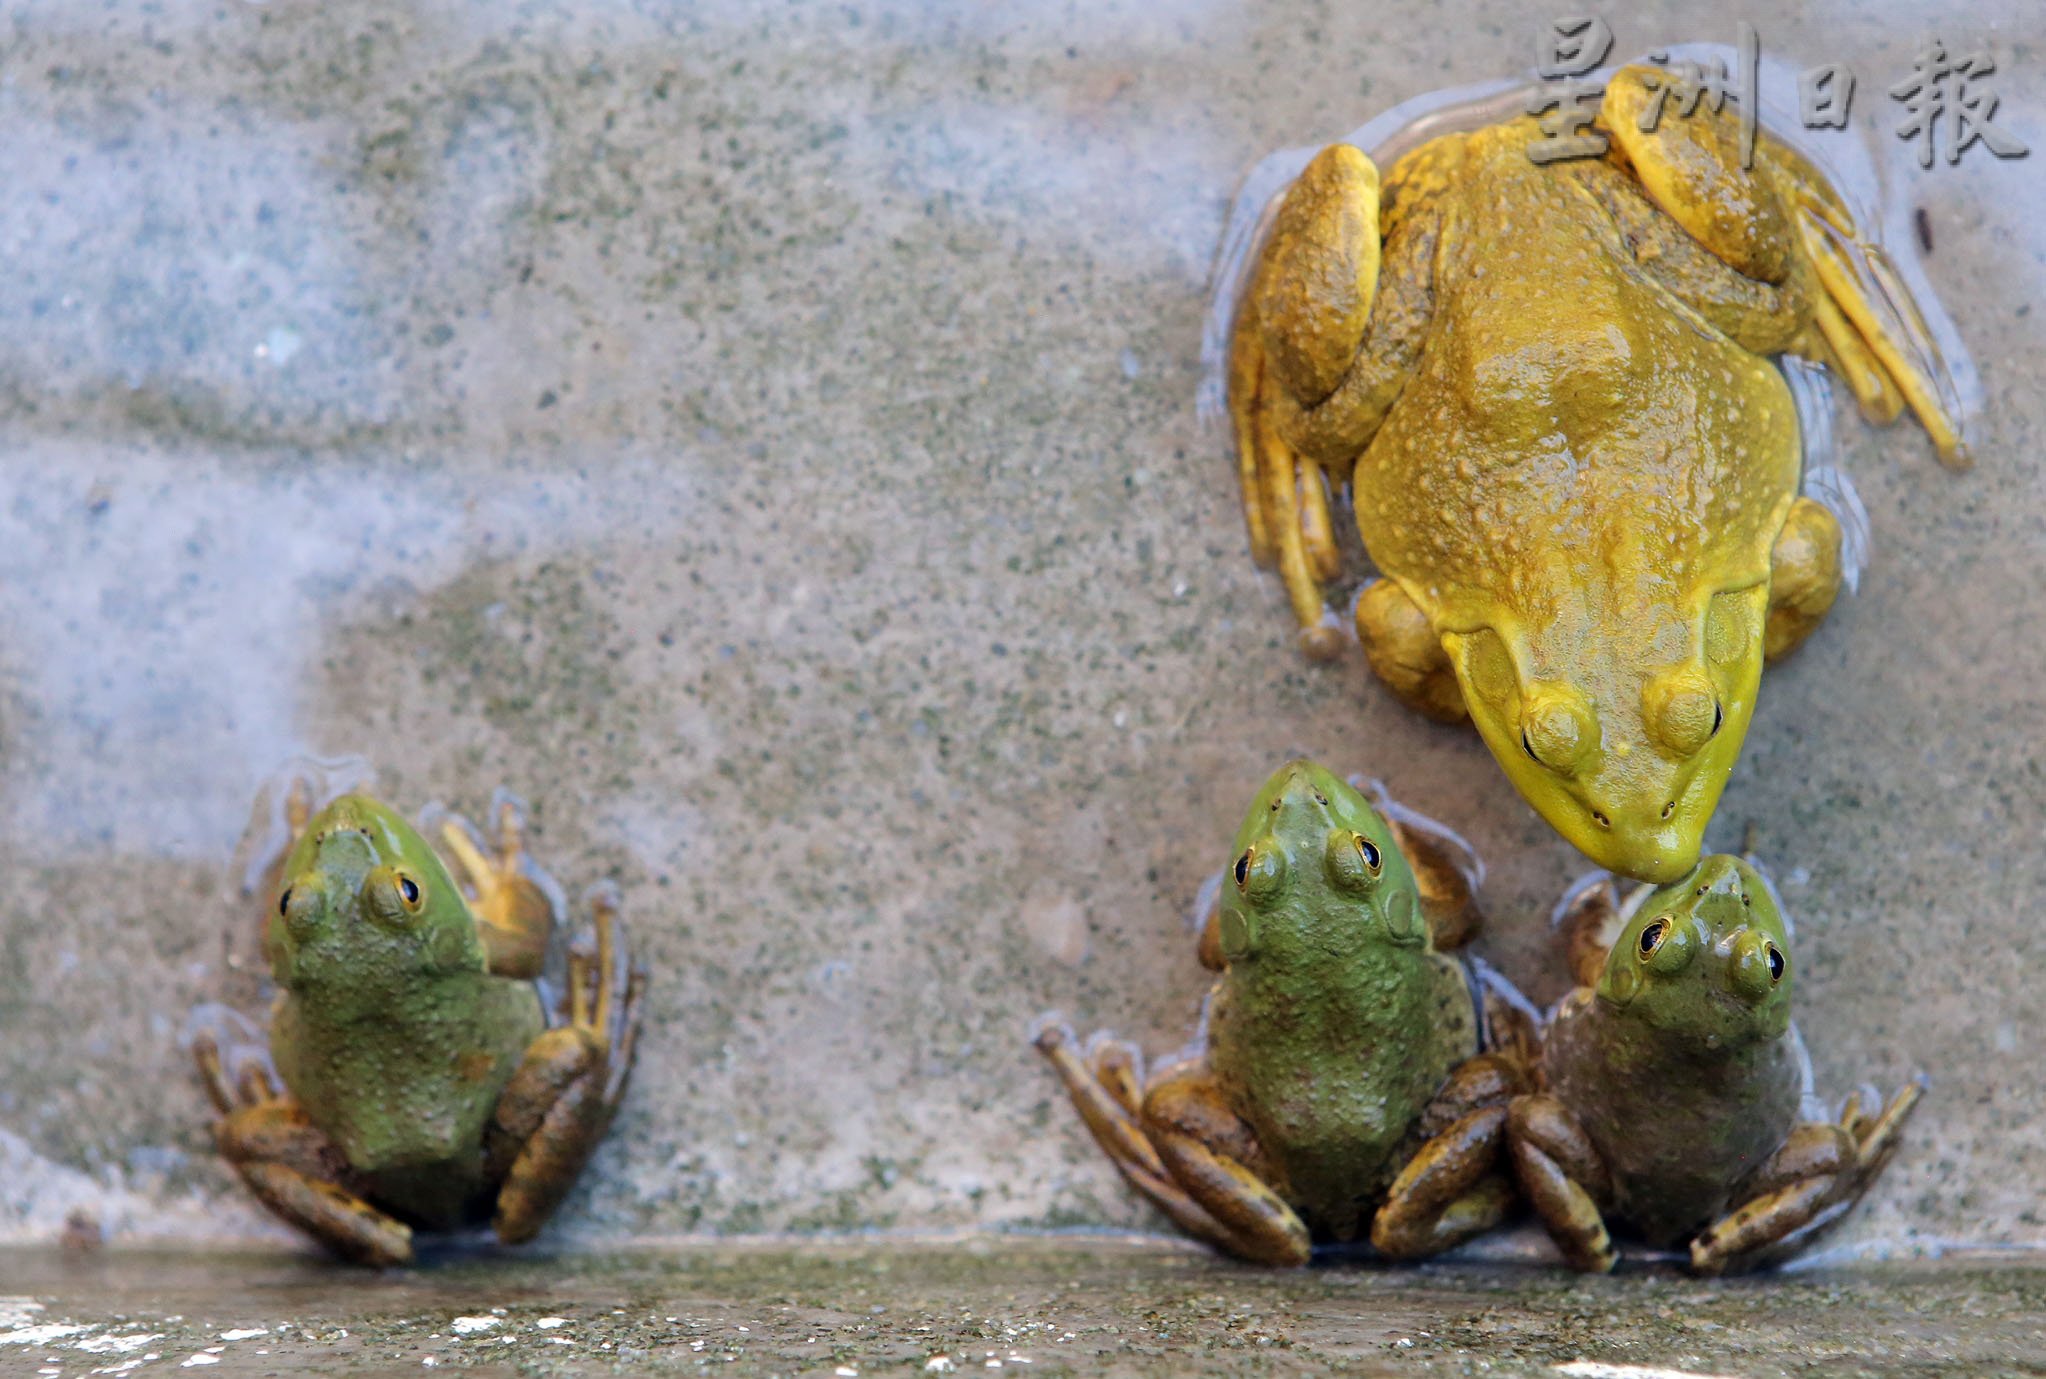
766	440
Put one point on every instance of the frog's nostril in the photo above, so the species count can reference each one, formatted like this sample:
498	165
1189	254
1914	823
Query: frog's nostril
1669	807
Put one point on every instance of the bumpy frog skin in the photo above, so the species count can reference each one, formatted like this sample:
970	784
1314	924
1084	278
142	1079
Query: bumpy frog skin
424	1083
1340	1062
1573	461
1673	1085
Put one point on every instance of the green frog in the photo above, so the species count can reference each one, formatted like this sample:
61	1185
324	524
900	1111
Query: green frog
415	1075
1674	1084
1342	1077
1574	462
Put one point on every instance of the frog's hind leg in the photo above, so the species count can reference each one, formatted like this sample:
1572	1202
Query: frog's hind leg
1106	1089
1805	575
1214	1155
1563	1178
291	1165
567	1088
512	897
1456	1186
1295	343
1821	1170
1405	652
1779	225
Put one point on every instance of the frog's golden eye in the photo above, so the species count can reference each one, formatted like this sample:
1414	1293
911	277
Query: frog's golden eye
1654	934
409	892
1776	964
1353	861
1261	871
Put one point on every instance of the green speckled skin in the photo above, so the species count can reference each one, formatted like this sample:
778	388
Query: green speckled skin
1336	1020
1684	1083
388	1029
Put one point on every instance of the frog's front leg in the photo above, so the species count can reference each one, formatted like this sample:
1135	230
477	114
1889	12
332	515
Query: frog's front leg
1454	1189
1406	652
1563	1178
1106	1089
509	894
562	1097
1804	577
291	1165
1821	1168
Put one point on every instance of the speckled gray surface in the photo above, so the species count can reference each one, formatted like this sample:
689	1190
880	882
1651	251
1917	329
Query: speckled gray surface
763	436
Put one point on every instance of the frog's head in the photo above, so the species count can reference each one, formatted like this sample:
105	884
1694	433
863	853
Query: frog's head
366	905
1317	878
1622	743
1704	960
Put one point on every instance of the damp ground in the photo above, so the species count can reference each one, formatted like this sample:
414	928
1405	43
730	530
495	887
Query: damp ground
1033	1306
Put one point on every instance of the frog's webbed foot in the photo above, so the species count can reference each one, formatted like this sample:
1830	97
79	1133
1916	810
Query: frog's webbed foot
1821	1170
291	1165
1405	651
1804	577
511	896
1563	1178
1106	1088
567	1088
1455	1187
1868	325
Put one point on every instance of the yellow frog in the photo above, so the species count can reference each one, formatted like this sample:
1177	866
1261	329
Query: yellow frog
1572	458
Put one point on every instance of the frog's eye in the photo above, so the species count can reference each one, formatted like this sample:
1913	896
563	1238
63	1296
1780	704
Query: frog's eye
409	892
1665	946
1261	871
1654	935
1776	964
1353	861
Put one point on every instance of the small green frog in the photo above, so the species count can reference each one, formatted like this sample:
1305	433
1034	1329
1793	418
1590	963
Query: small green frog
1674	1084
1340	1064
425	1082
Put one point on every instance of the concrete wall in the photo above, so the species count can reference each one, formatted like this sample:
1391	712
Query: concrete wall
763	436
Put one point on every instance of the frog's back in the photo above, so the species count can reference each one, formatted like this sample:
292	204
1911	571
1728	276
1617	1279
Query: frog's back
1333	1085
1567	414
407	1094
1678	1132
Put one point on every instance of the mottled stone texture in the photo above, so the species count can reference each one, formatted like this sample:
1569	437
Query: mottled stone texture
763	435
